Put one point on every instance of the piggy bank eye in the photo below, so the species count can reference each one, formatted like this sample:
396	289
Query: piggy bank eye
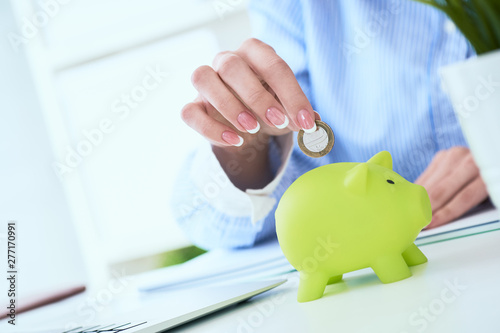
390	181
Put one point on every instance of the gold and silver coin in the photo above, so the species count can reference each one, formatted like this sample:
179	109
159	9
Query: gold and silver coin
318	143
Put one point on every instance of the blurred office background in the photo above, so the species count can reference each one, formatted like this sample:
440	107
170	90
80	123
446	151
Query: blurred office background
121	69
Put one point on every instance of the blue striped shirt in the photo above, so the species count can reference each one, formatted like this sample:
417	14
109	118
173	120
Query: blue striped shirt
370	68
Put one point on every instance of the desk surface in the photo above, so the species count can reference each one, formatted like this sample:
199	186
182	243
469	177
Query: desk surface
458	290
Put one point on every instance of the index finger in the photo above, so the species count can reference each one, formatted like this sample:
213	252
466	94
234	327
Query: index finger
264	61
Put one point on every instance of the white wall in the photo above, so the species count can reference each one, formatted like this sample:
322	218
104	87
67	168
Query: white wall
47	253
85	58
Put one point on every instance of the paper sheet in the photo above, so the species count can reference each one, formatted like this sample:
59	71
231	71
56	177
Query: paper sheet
215	265
482	214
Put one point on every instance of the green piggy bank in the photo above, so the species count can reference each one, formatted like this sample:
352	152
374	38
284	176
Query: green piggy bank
342	217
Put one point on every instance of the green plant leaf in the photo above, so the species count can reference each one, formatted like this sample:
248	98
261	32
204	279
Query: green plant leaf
492	13
478	20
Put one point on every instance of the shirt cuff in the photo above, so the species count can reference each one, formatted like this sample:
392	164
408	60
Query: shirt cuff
219	192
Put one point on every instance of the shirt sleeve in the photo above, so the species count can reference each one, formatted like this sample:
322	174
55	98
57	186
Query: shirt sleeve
207	206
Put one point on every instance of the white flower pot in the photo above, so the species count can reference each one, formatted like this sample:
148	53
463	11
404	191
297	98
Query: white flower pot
474	89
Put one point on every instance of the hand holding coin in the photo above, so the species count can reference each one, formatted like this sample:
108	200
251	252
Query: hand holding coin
246	97
319	143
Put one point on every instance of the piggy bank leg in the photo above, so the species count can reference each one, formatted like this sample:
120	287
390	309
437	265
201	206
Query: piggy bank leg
391	268
335	279
413	256
311	286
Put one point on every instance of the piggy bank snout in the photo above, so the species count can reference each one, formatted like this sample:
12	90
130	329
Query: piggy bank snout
425	206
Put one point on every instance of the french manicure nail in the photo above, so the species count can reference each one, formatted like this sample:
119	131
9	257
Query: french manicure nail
277	118
306	122
232	138
249	123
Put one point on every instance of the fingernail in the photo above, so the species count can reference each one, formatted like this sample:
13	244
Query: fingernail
232	138
306	122
249	123
277	118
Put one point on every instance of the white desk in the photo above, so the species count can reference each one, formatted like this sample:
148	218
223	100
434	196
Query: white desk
361	303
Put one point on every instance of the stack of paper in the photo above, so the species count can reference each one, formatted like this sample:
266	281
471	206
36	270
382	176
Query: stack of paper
264	260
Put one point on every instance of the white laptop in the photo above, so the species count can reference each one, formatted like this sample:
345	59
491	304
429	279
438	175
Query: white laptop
161	311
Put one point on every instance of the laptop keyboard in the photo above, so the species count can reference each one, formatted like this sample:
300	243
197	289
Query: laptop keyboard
113	328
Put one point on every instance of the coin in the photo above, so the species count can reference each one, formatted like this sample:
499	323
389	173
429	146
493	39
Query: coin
319	143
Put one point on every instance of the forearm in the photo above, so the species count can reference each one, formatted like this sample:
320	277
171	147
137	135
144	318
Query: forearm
215	213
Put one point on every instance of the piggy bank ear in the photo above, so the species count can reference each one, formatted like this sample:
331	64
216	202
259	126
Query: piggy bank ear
383	158
356	179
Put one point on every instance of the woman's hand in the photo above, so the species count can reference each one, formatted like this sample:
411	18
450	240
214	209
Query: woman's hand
247	91
453	183
245	97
